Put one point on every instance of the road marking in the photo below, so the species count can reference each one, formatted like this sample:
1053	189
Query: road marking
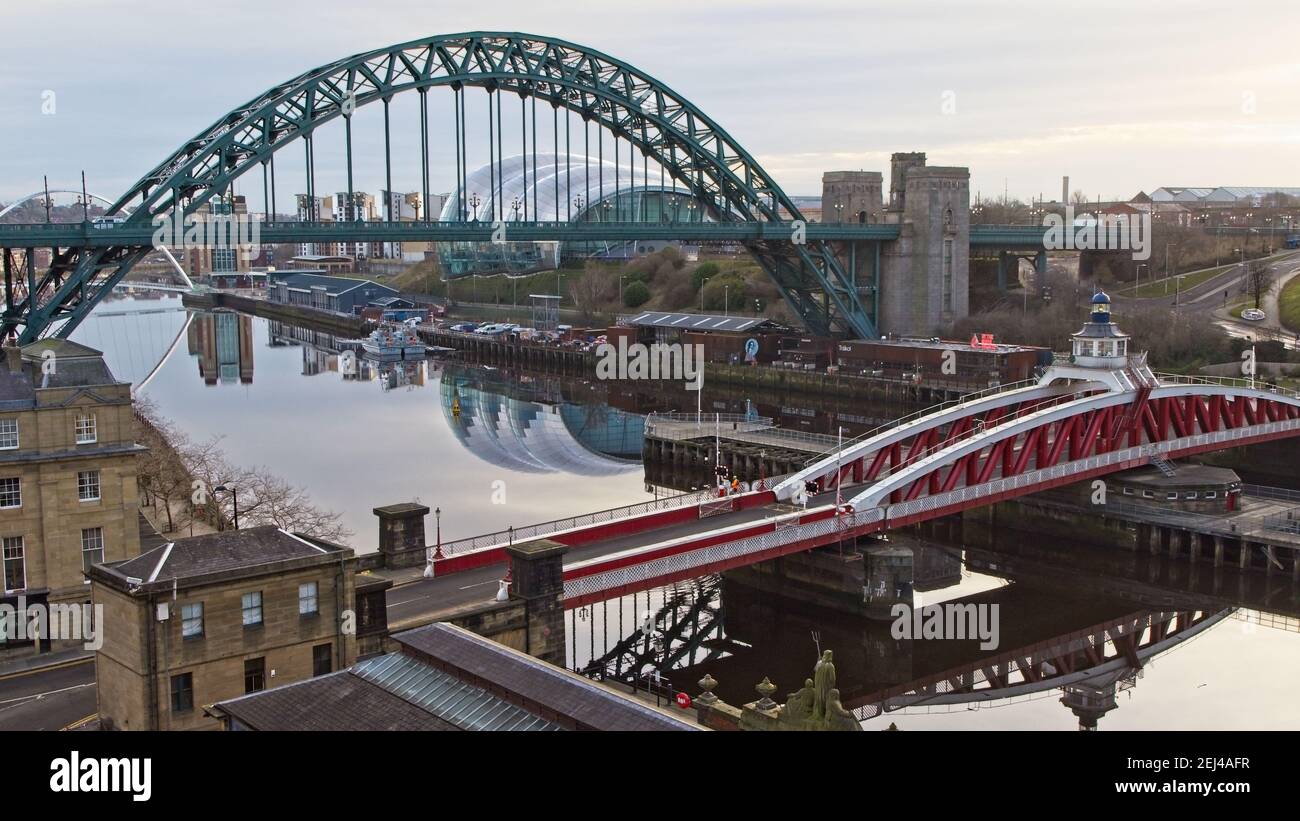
81	721
480	584
47	693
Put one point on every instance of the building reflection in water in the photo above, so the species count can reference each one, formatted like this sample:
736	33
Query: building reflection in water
1080	644
324	353
223	343
530	426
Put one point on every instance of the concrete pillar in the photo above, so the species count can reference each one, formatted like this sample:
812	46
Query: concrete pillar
1218	551
401	534
537	577
1197	540
888	579
1244	556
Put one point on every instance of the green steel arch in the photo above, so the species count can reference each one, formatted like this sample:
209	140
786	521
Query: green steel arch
664	126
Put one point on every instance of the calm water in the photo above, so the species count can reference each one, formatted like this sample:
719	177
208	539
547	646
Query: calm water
493	450
356	444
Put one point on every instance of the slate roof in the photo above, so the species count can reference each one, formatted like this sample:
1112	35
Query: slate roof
218	552
447	678
337	701
75	366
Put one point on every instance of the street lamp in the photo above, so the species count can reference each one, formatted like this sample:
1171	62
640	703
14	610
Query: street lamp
474	203
726	299
234	492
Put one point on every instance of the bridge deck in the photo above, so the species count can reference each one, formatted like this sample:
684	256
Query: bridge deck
432	599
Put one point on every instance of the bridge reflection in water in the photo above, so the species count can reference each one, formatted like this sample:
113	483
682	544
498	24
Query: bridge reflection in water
1082	632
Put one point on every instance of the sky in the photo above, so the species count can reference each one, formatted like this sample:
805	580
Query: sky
1121	96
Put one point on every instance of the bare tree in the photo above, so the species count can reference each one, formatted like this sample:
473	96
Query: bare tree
591	290
1259	280
177	472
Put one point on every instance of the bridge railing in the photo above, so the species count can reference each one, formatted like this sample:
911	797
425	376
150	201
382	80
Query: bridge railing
533	531
690	560
1277	494
847	524
915	415
1226	381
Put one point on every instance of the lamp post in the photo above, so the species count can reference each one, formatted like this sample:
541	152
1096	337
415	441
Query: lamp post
726	299
234	492
437	519
474	203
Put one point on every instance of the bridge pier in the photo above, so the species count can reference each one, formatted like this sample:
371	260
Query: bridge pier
1218	551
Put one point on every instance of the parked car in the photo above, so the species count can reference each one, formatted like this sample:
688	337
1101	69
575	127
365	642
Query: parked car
1253	314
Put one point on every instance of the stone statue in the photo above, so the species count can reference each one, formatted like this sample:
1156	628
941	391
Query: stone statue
799	706
823	684
814	707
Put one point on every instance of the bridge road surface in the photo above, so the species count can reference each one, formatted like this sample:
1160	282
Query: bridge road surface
420	602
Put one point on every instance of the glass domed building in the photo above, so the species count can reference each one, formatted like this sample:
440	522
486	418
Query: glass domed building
533	437
580	190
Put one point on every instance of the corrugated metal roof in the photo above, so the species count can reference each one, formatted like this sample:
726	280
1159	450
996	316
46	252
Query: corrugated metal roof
450	699
591	705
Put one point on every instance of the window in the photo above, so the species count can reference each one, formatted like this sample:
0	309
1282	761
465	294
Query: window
182	692
322	659
88	485
86	432
254	675
1191	494
11	492
1211	494
1171	496
8	434
252	609
192	620
92	546
1146	494
307	604
1128	491
947	274
15	567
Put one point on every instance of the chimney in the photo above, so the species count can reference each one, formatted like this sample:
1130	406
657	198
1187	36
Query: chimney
14	356
1065	190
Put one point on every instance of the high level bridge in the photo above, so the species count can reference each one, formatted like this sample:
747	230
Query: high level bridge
1101	412
620	129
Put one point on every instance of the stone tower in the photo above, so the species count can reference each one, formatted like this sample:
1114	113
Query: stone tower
852	196
899	164
925	274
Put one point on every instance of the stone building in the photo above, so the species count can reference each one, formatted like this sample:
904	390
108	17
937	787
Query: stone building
851	196
925	274
68	495
208	618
